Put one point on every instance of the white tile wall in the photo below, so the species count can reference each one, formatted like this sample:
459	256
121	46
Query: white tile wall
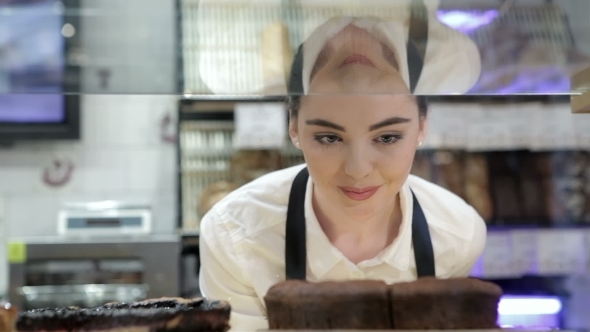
120	157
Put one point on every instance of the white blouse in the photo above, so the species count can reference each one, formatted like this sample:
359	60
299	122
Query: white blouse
242	243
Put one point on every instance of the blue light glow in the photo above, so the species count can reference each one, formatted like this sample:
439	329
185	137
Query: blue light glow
465	21
528	305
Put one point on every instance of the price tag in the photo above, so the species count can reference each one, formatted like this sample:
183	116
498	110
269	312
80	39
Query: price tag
561	252
518	123
582	130
487	128
17	252
260	126
451	125
553	128
524	246
435	135
497	256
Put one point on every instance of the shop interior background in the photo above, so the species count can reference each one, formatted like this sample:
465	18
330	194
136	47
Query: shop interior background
128	150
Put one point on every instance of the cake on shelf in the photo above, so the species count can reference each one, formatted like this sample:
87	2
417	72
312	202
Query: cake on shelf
428	303
162	315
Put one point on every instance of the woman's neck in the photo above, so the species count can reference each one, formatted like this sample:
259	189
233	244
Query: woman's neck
357	239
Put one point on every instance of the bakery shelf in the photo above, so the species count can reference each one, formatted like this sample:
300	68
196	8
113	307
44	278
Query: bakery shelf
204	172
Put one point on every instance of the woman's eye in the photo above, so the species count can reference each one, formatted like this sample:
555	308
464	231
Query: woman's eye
327	139
388	139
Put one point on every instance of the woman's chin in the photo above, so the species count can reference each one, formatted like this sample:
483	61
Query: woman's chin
361	212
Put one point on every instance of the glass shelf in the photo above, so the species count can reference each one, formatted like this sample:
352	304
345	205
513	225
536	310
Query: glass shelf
221	49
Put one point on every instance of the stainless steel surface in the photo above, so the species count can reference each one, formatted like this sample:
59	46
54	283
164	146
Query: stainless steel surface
81	295
159	256
474	330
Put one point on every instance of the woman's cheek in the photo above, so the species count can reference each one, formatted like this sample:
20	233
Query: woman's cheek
320	156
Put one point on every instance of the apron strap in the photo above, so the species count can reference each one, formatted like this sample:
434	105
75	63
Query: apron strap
295	241
423	251
295	235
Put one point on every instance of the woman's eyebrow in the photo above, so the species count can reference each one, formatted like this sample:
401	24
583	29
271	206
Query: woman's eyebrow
388	122
325	123
378	125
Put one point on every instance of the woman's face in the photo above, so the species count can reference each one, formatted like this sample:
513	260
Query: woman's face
359	126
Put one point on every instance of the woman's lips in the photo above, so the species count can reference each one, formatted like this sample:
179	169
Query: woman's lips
359	194
357	59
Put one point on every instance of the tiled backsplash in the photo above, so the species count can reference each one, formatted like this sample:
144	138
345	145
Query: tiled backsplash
121	156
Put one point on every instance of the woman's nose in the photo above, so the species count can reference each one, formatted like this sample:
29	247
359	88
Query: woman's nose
359	163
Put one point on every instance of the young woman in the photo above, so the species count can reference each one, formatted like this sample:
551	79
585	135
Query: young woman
352	211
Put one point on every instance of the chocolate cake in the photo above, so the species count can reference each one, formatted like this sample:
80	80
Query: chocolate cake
448	304
158	315
362	304
428	303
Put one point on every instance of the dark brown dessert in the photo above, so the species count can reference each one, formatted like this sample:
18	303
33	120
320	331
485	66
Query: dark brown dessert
362	304
160	315
7	318
448	304
428	303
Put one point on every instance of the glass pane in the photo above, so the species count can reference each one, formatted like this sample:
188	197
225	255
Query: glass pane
246	48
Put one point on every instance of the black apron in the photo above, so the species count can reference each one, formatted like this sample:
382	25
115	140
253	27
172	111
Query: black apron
295	238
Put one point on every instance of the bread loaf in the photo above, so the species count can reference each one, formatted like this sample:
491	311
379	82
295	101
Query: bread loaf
477	188
213	194
277	57
247	165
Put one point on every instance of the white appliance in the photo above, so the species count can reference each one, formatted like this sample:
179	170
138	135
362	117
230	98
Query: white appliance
104	218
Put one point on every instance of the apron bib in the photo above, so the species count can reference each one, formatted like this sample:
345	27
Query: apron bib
295	238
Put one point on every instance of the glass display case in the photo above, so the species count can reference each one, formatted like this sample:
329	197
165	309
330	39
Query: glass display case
508	84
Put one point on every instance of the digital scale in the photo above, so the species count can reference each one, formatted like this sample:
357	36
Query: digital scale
104	218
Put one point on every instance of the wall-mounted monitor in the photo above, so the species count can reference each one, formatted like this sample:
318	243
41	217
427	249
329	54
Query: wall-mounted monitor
36	39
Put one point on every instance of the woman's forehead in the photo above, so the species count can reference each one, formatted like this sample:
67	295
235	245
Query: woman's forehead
360	106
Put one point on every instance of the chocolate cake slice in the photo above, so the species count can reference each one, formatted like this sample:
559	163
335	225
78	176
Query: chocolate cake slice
360	304
445	304
157	315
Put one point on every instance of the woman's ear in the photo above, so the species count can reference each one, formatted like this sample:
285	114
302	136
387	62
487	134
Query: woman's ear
294	132
423	130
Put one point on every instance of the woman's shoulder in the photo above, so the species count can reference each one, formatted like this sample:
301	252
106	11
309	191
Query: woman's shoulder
257	205
445	209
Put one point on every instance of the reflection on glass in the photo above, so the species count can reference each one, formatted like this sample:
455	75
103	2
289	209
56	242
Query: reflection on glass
239	47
